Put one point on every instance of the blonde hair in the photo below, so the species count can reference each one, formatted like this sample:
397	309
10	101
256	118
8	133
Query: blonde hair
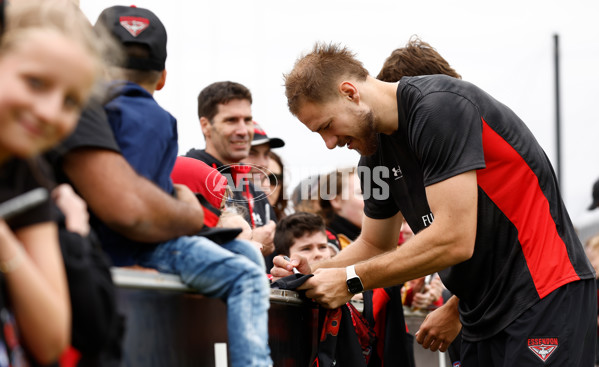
315	75
61	16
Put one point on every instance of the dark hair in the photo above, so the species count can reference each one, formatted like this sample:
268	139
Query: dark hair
416	58
315	75
281	203
139	51
220	93
296	226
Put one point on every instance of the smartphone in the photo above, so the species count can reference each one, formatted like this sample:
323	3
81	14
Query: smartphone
23	202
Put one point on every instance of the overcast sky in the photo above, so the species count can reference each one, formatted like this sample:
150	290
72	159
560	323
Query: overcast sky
505	47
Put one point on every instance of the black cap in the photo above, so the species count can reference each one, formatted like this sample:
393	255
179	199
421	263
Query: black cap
133	25
595	203
260	138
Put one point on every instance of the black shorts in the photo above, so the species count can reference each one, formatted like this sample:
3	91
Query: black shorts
560	330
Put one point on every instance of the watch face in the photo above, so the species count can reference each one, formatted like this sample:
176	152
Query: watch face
354	285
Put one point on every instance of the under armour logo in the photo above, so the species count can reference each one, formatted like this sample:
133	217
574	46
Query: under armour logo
397	172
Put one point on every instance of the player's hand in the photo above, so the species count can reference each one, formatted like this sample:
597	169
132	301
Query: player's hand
283	268
440	327
328	287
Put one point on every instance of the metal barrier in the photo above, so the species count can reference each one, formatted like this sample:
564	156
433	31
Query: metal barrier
169	324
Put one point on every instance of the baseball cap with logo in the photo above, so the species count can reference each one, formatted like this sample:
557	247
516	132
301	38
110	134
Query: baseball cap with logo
260	138
132	25
595	203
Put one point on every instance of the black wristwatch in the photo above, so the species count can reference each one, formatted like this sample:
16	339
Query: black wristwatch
354	283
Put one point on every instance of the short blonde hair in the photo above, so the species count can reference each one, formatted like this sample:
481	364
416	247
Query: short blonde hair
314	76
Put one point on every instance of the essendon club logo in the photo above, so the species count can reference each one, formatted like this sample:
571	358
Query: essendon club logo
543	347
134	25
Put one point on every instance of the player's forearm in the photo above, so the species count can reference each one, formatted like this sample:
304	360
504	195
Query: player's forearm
453	303
358	251
426	253
449	240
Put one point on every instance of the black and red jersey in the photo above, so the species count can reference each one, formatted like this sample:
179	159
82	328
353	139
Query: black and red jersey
526	245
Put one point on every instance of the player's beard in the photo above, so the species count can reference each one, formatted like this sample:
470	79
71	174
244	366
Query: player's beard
369	141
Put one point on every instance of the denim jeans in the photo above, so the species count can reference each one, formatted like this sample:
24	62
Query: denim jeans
233	272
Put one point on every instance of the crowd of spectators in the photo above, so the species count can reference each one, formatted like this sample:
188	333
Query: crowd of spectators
121	195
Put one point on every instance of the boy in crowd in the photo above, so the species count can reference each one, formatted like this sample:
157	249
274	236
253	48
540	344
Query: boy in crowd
304	234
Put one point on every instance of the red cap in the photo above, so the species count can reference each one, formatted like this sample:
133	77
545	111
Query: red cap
203	180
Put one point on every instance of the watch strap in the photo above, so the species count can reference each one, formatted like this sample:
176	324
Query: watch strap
350	272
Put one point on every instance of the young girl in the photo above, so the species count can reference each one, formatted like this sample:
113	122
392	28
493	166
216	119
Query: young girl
49	62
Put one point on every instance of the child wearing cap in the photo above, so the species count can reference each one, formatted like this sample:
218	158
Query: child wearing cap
146	135
145	132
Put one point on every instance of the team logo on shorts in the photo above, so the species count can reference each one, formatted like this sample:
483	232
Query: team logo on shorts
457	364
543	347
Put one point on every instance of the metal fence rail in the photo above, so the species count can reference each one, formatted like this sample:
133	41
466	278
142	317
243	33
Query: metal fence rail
169	324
